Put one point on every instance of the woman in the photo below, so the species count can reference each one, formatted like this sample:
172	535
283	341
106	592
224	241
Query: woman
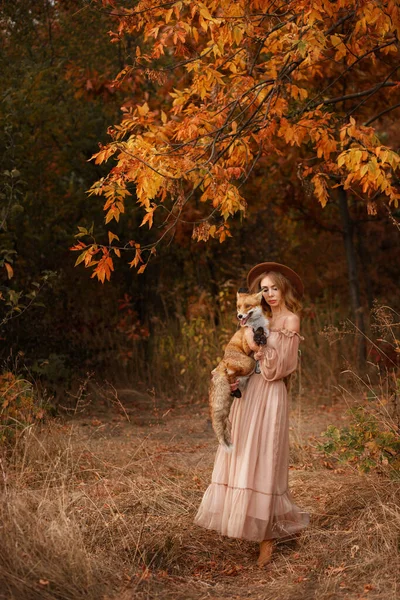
248	497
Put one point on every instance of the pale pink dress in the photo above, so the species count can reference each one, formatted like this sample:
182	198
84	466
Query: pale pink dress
248	497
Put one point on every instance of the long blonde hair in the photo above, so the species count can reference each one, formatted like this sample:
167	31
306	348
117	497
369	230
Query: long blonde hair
284	285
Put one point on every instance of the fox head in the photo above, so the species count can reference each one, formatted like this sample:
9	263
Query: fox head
248	307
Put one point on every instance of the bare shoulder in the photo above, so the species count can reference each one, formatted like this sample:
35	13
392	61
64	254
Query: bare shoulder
292	322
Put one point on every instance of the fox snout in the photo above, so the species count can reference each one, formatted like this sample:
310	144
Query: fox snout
243	315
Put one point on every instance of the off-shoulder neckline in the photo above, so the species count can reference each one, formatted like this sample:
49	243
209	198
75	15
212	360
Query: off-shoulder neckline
287	332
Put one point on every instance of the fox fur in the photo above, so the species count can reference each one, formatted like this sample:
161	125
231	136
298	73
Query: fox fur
237	363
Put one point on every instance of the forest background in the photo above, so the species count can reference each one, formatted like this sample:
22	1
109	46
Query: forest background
221	134
60	96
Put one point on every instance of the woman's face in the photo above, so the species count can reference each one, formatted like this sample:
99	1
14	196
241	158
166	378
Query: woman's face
272	294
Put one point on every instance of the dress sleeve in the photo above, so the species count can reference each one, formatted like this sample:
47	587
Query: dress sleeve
281	360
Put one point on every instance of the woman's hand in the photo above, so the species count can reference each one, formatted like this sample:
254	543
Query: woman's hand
234	386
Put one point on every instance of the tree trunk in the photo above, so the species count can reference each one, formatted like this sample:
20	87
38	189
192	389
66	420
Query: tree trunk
365	261
354	288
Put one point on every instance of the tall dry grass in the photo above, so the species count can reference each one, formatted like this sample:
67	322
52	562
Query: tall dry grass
78	524
110	518
45	553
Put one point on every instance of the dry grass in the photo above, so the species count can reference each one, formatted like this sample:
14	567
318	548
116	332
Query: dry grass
104	509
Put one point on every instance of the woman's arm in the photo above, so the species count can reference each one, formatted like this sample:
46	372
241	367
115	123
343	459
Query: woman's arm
280	360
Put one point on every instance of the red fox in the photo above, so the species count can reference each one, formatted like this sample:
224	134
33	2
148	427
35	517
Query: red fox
236	363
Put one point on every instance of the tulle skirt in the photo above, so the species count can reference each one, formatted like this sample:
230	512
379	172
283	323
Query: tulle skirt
248	497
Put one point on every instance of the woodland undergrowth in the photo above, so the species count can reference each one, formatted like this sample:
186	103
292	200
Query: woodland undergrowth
93	517
182	347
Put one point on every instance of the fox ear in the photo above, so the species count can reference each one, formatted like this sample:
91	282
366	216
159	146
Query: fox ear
243	290
259	296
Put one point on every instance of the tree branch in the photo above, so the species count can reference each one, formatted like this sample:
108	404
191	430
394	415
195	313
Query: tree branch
350	15
383	112
384	83
360	94
313	102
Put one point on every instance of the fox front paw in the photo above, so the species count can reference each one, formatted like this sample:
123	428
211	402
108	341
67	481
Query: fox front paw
259	337
236	393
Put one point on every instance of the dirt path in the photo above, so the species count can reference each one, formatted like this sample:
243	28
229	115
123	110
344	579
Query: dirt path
167	454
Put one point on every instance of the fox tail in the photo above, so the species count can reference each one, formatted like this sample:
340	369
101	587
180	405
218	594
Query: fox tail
220	405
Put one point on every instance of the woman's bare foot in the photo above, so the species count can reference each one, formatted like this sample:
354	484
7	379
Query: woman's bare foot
266	548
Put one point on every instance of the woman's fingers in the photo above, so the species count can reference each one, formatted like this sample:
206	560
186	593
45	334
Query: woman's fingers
234	385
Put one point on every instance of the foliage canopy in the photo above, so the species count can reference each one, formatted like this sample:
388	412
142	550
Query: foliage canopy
240	83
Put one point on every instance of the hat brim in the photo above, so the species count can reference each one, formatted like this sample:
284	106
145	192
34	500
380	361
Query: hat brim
266	267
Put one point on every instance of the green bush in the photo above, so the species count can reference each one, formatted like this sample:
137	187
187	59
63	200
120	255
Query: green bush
369	443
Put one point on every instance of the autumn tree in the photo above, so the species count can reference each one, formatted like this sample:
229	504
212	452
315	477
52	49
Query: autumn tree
240	83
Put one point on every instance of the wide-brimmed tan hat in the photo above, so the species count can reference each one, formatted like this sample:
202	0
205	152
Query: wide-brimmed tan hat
266	267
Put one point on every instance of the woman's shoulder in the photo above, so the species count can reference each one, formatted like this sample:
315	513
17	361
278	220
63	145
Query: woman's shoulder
292	322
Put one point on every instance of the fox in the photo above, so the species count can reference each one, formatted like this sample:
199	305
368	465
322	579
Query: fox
237	363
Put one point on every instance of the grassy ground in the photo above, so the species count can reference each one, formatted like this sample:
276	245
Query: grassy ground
102	507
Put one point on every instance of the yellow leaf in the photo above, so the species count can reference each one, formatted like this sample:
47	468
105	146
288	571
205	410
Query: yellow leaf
112	236
143	110
141	269
341	159
168	15
203	23
80	258
314	16
205	13
237	35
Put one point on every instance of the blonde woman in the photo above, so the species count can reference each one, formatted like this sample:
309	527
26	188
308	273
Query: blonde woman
248	497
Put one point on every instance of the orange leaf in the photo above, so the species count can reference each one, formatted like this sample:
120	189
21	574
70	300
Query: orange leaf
138	257
320	189
148	218
112	236
9	270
